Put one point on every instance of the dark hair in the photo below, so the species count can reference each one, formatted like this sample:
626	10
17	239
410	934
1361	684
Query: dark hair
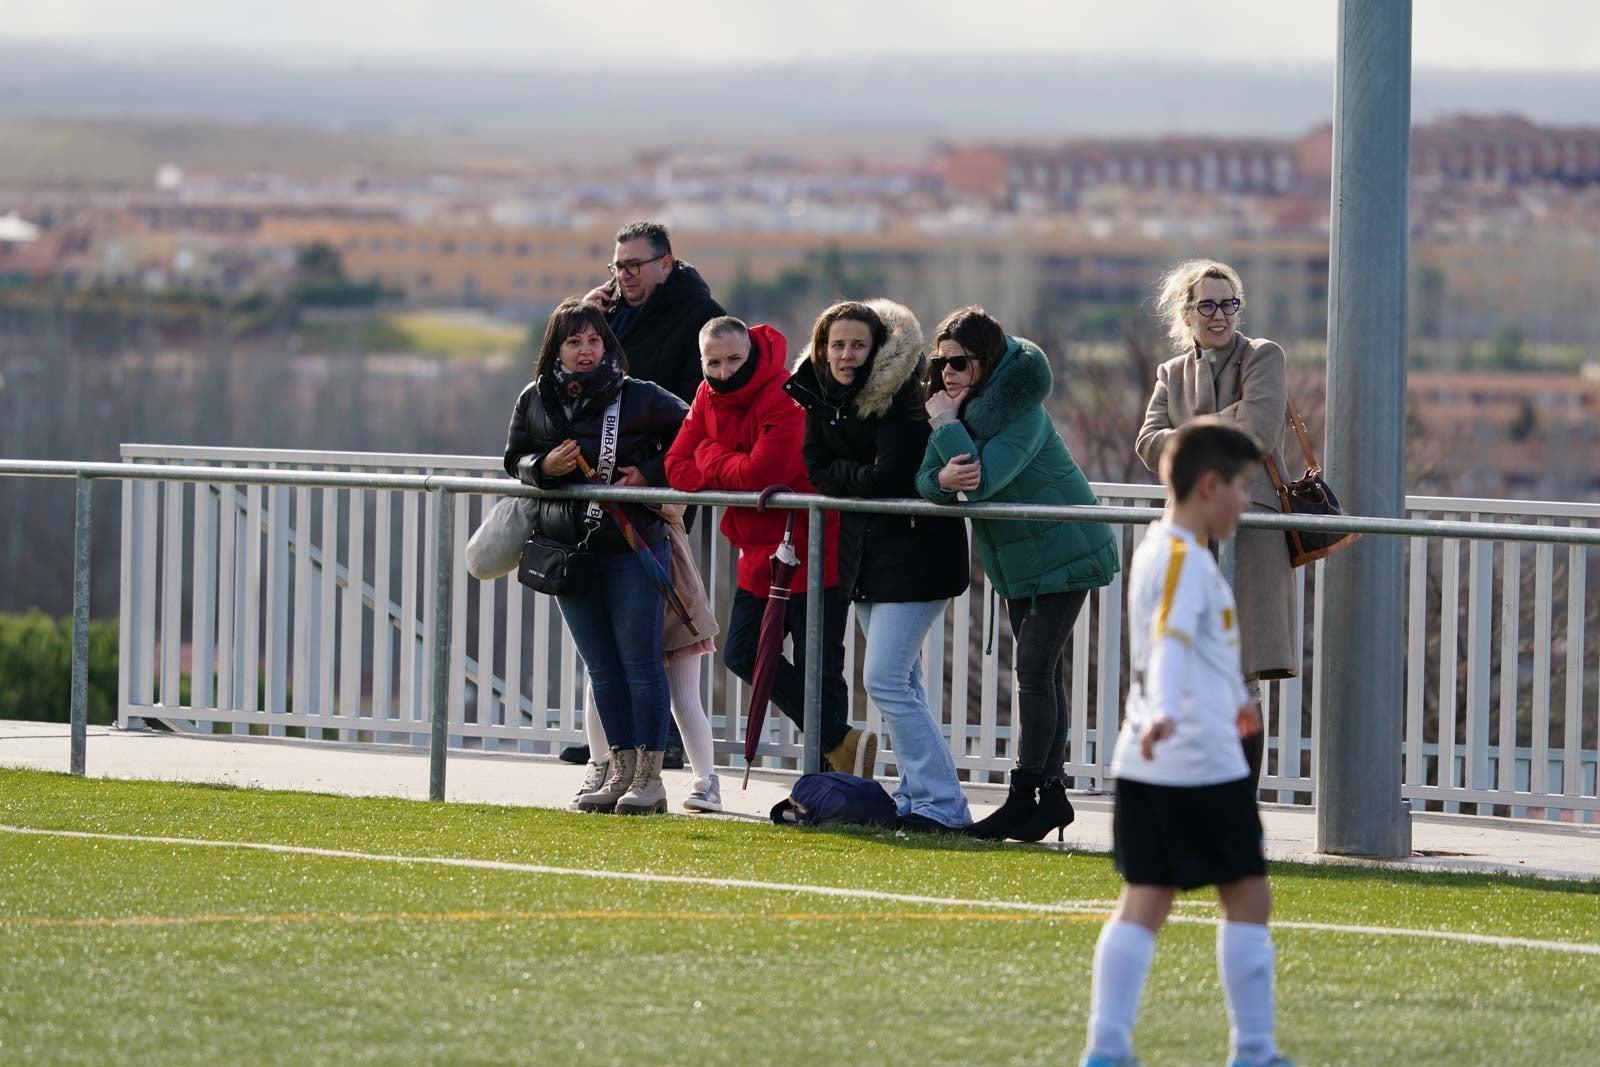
845	311
1202	445
570	316
723	325
975	330
654	232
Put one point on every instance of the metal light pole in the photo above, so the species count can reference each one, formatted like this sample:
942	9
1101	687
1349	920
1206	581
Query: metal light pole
1360	674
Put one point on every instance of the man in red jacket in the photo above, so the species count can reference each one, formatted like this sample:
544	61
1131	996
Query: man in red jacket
744	433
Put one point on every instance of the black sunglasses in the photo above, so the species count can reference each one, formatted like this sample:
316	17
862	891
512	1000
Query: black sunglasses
937	364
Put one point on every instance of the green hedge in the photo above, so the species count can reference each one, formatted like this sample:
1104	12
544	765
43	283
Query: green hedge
36	669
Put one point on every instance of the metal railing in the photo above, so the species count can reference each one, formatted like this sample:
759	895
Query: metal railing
291	593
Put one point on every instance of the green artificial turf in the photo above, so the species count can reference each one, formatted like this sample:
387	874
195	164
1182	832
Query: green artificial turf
154	952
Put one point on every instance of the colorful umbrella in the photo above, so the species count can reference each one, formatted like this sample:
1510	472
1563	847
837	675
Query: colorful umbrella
769	644
658	572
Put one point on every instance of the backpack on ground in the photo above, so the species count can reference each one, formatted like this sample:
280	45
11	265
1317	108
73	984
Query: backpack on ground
835	799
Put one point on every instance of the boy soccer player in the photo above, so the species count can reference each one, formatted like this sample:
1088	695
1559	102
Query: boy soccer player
1185	811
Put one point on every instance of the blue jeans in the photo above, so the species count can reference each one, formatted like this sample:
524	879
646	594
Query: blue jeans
892	671
617	628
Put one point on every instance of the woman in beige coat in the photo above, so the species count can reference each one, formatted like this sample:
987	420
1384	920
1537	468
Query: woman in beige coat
1219	371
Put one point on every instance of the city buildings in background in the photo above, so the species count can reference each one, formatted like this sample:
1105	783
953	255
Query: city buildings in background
1506	222
1062	240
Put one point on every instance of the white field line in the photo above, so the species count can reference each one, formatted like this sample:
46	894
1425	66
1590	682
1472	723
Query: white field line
1065	907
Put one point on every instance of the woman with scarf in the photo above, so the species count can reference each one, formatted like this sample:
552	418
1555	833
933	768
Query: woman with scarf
861	383
993	440
617	624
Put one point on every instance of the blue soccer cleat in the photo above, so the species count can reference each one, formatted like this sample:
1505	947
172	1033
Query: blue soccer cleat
1108	1061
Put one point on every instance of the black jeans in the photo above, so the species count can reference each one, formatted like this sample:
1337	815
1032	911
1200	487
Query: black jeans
789	687
1042	626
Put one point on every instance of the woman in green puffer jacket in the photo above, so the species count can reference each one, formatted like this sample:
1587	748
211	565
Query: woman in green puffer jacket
993	440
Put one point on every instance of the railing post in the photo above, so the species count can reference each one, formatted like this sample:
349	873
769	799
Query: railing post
814	569
443	570
82	542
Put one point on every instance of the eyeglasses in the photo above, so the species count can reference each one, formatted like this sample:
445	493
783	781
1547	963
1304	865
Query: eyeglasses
1208	308
937	364
631	268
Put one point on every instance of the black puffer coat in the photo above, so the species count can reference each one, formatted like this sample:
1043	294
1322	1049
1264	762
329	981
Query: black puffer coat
662	339
650	417
871	445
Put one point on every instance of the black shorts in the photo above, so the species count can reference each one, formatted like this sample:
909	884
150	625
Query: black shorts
1187	836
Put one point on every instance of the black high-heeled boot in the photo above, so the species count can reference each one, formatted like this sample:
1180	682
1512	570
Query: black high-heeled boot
1054	812
1020	804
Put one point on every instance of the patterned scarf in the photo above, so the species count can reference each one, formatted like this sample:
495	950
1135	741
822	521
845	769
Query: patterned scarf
601	380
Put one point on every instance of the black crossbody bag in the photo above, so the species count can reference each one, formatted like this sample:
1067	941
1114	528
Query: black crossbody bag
555	567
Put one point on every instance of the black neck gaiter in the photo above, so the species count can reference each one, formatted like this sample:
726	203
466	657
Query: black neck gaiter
739	378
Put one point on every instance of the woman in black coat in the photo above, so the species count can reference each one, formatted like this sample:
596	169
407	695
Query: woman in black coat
860	381
580	383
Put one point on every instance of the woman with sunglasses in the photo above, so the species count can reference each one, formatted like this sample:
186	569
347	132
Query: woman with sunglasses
1219	371
993	440
860	381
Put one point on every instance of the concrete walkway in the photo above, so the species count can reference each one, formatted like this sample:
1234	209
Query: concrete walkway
1443	842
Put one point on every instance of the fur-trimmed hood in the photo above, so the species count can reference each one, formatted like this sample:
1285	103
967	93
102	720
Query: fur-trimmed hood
1020	382
899	358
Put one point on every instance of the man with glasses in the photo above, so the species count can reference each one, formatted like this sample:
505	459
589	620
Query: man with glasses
656	305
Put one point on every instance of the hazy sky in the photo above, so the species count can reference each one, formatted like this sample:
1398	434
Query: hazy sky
1531	35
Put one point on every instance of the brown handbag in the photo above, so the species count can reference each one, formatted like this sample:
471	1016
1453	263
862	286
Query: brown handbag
1309	495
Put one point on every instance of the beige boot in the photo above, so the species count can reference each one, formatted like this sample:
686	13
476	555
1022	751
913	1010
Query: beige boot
857	754
648	795
594	777
624	762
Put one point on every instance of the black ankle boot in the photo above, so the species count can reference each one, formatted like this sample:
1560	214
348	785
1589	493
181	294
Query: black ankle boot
1054	812
1021	803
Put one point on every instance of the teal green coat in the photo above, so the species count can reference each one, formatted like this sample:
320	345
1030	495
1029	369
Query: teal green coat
1025	462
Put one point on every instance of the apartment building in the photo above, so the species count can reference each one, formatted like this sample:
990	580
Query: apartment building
1058	175
536	268
1463	149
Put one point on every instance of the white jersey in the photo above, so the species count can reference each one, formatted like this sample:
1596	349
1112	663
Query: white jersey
1176	590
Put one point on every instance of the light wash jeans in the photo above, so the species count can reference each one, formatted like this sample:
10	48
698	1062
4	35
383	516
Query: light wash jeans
893	674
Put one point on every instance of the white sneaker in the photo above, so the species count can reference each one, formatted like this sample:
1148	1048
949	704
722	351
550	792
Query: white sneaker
707	799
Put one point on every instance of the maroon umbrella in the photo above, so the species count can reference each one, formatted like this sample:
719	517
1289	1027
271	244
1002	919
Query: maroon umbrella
769	645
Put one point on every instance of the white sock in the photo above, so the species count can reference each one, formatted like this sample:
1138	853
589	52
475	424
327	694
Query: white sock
1121	962
593	728
1245	964
683	679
